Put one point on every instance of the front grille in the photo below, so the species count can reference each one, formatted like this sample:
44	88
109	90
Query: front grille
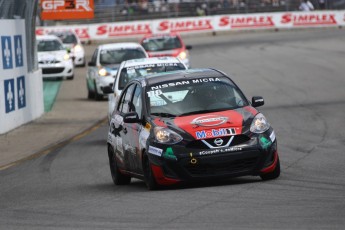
52	70
221	168
49	62
237	140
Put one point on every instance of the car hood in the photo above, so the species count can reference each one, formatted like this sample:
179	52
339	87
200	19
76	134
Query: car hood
211	125
171	53
51	55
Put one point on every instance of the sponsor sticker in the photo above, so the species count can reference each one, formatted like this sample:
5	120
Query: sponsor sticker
155	151
217	151
209	120
213	133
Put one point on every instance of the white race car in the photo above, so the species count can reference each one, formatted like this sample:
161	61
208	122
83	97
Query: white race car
105	62
72	42
53	58
138	68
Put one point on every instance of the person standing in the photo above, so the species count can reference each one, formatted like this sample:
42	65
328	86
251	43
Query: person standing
306	5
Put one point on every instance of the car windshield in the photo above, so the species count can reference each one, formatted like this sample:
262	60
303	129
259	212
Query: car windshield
187	97
130	73
68	38
116	56
49	45
161	43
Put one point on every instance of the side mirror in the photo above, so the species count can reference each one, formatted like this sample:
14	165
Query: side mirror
107	90
257	101
189	47
131	117
91	63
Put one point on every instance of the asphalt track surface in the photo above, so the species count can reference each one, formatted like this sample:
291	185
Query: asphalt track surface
300	74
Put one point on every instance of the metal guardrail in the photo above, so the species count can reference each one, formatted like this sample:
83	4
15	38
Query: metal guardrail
129	10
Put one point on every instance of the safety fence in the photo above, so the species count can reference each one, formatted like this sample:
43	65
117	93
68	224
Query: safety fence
214	24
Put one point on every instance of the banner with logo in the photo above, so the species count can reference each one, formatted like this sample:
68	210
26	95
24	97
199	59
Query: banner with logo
231	22
66	9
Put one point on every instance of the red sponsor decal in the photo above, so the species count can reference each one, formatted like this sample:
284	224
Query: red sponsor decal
211	125
82	33
39	31
246	21
121	30
159	122
66	9
187	25
251	110
309	19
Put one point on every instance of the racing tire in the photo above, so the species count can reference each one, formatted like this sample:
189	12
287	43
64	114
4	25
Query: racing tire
98	96
149	178
116	175
272	175
70	78
90	94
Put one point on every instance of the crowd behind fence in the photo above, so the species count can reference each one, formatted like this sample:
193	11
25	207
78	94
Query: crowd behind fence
129	10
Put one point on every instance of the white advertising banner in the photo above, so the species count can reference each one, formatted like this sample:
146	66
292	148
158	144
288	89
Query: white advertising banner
15	108
281	20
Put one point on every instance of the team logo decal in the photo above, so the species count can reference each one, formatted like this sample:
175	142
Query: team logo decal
218	141
209	120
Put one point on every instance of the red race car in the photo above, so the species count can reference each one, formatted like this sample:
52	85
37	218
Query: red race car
158	45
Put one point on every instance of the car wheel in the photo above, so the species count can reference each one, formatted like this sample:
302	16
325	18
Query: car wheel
116	175
70	78
149	179
98	96
272	175
90	94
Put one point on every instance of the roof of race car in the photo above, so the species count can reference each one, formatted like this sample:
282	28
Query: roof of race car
183	75
121	45
150	61
47	37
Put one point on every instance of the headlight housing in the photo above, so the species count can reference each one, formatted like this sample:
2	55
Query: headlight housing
183	55
78	48
166	136
259	124
103	72
65	57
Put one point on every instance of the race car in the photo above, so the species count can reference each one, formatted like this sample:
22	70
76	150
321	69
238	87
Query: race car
72	42
105	62
136	68
53	58
190	125
158	45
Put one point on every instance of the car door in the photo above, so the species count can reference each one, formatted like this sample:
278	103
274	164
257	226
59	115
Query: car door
119	129
92	70
133	131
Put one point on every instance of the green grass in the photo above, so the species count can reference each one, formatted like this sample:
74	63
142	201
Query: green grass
50	91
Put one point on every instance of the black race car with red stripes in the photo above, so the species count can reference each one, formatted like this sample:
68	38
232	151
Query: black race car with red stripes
190	125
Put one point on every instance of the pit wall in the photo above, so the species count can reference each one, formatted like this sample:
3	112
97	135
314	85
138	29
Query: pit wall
21	92
234	22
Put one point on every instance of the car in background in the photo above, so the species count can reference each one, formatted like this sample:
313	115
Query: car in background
53	58
105	62
136	68
158	45
190	125
72	42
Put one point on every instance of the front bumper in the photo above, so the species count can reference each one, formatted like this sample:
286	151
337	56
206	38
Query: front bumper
197	165
102	82
63	69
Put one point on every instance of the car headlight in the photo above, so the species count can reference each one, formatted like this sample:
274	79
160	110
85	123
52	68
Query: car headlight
183	55
103	72
166	136
66	57
78	48
259	124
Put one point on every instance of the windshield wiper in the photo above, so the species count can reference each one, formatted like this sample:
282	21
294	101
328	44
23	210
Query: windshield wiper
163	114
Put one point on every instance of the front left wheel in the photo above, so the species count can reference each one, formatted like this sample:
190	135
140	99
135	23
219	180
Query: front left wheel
149	178
117	176
272	175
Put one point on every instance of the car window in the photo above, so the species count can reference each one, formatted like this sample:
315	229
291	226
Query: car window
94	56
194	96
116	56
49	45
125	106
137	101
133	72
161	43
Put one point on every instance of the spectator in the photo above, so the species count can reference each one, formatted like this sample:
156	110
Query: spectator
322	4
306	5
